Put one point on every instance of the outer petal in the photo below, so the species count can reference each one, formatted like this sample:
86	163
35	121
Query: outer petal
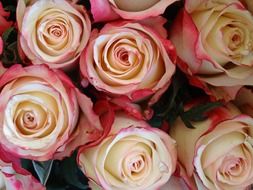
184	36
102	11
16	177
153	11
88	129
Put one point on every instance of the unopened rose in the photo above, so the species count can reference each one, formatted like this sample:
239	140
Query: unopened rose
133	156
214	39
53	32
129	59
39	113
104	10
218	152
4	23
13	177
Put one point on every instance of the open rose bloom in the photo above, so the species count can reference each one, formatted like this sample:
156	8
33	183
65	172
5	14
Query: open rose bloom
40	116
129	58
133	156
12	176
214	41
218	153
53	32
104	10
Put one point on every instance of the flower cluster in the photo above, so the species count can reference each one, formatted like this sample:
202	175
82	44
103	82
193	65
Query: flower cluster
90	80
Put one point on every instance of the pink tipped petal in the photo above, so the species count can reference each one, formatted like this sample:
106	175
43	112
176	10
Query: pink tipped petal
184	36
159	22
15	177
102	11
126	104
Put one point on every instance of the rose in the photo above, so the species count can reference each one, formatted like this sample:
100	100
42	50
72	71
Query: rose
133	155
219	150
214	41
4	24
12	176
39	114
53	32
104	10
130	59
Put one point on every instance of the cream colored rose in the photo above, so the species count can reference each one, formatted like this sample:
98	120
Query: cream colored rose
215	41
219	151
133	155
39	114
129	59
53	32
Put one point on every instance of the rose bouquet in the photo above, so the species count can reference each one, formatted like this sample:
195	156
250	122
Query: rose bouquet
126	94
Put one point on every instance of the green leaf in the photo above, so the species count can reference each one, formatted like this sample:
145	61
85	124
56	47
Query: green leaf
43	170
198	113
7	34
10	8
71	171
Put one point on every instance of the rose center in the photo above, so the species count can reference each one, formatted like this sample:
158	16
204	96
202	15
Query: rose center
232	166
137	164
57	31
29	119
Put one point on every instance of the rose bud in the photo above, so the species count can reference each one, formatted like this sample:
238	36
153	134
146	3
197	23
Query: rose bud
218	152
214	41
133	156
13	176
53	32
104	10
40	117
129	59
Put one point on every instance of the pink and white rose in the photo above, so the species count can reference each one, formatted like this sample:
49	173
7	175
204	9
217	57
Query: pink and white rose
40	117
13	176
218	153
214	41
53	32
129	58
104	10
133	155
